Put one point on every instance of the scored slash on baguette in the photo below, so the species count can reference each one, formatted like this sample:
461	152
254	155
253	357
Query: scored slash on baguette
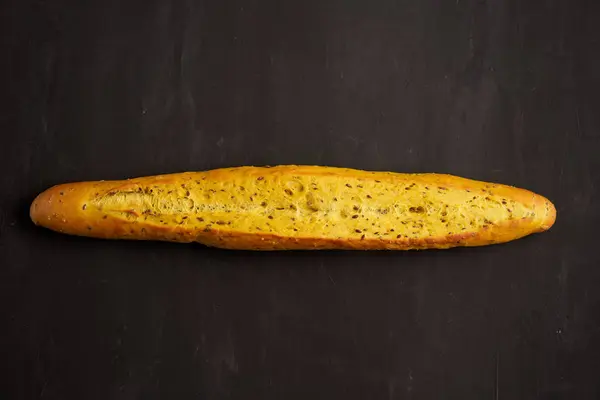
297	207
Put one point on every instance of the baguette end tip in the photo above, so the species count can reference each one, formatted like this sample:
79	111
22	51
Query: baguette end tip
35	209
549	216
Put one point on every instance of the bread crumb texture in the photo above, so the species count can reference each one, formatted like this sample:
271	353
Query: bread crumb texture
307	207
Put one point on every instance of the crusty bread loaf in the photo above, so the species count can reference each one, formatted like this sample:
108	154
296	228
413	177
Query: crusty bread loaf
297	207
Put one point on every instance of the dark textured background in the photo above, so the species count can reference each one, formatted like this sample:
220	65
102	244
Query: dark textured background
495	90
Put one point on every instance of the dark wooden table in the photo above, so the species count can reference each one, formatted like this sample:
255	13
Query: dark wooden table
505	91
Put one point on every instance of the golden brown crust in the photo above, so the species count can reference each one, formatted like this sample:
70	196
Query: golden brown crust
81	209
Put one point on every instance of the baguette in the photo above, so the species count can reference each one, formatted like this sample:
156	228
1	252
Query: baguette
297	207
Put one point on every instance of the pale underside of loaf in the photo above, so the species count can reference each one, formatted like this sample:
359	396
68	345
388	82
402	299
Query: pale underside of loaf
297	207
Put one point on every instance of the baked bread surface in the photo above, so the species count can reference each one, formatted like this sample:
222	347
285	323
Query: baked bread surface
297	207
